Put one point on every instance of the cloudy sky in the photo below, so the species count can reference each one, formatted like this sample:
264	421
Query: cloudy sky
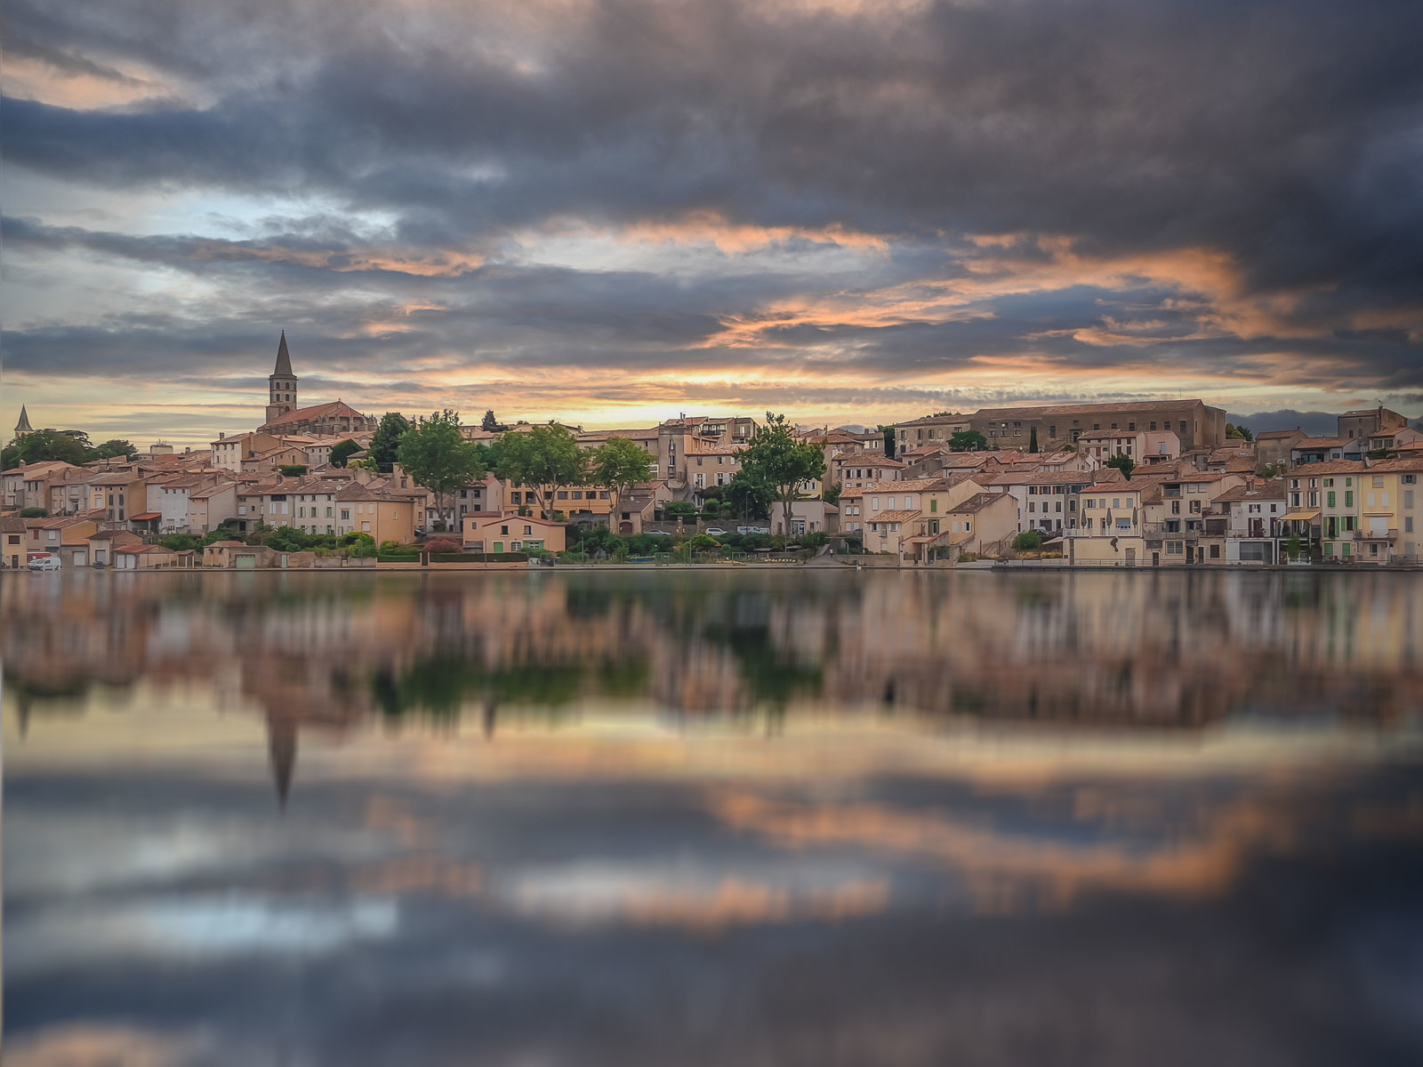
612	210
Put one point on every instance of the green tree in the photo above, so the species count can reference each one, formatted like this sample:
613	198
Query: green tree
1238	433
889	443
436	455
114	449
44	446
385	445
543	460
1033	440
341	452
1123	463
750	496
968	441
619	464
776	460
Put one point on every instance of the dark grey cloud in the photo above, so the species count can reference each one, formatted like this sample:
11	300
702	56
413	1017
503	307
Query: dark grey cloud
1286	136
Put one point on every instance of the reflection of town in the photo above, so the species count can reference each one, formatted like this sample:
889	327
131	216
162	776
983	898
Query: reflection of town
313	651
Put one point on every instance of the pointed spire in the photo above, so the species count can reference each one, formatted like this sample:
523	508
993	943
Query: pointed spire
23	426
284	361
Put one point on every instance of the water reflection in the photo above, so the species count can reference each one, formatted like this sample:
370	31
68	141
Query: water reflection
713	817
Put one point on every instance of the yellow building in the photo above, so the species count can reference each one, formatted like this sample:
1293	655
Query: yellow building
1112	531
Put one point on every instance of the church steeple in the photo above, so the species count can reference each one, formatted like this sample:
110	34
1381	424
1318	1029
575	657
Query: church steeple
281	384
284	359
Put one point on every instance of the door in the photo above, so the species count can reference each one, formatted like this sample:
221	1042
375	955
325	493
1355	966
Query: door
1131	557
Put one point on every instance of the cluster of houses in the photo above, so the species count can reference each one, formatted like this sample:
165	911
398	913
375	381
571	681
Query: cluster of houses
1193	495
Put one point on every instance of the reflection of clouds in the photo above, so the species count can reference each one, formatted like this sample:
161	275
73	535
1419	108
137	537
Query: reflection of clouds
1003	868
93	1045
191	929
707	900
69	853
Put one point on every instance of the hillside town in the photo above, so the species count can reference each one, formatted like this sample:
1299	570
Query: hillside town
1138	484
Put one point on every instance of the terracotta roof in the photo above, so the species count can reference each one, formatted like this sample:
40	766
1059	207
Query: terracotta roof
1334	466
912	485
1131	485
335	408
1274	489
1401	465
977	502
1042	477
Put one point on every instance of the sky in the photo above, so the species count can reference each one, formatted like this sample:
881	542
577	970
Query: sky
612	211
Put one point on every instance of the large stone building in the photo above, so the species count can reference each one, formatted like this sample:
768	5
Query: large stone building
1370	421
284	417
1196	424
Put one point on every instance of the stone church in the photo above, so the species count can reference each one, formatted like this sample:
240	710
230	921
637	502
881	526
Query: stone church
284	417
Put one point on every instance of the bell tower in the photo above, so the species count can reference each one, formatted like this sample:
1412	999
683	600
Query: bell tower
281	384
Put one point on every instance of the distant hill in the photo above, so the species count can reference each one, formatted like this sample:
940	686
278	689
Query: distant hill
1314	423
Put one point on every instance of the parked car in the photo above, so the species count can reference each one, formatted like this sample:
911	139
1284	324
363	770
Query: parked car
716	531
44	563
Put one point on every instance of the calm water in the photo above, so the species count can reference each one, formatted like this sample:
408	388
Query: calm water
713	817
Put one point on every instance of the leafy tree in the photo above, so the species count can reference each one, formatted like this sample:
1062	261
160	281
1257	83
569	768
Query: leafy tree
342	452
968	441
1123	463
113	449
889	442
680	509
44	446
436	455
544	460
1033	440
775	459
385	445
1238	433
619	464
750	496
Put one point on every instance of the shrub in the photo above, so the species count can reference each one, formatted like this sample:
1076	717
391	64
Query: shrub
1028	541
